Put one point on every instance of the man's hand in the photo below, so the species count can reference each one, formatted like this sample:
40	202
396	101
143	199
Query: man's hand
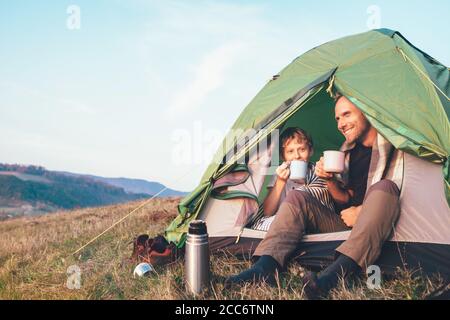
350	215
320	172
283	171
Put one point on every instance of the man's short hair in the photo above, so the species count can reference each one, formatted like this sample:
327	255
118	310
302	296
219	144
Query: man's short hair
337	96
294	132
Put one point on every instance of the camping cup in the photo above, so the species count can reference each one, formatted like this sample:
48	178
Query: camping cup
142	269
333	161
197	270
298	169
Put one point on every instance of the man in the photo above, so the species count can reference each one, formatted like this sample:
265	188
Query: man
370	215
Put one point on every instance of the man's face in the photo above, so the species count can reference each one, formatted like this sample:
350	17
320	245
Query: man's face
296	150
351	122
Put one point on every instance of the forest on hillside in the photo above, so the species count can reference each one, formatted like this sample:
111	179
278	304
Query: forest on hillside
63	191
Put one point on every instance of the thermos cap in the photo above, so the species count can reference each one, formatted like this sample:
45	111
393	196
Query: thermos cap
197	227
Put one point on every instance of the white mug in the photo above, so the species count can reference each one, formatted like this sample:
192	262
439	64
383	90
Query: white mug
298	170
333	161
142	269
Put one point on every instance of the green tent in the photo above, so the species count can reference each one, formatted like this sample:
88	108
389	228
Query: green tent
402	91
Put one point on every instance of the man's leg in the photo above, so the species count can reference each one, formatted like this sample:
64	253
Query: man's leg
376	222
298	214
380	211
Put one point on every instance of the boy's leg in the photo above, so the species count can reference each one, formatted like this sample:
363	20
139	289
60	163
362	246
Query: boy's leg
298	214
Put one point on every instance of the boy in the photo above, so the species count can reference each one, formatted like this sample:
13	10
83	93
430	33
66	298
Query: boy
295	144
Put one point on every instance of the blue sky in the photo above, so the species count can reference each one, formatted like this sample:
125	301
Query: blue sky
112	97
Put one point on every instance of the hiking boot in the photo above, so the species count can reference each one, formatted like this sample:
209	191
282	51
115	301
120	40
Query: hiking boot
170	255
155	251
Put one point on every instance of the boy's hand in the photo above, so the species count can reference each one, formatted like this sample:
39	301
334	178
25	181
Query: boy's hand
320	172
283	171
350	215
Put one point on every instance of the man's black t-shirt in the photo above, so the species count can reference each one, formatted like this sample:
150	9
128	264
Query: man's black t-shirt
358	173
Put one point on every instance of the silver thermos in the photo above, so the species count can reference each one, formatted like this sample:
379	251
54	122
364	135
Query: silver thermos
197	270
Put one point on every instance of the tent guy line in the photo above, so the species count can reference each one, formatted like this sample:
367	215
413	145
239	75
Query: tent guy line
129	214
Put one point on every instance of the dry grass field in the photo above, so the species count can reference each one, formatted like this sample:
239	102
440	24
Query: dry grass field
35	254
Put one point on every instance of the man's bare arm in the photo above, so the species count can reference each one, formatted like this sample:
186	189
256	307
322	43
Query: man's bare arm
340	195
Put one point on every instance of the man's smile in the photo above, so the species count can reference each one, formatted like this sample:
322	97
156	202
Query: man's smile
347	131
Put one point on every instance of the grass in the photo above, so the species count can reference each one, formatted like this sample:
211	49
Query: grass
35	254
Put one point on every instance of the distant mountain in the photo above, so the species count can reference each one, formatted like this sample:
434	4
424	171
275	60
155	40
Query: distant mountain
139	186
132	185
28	190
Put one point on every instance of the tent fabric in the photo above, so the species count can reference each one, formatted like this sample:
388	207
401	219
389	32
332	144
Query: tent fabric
403	92
425	214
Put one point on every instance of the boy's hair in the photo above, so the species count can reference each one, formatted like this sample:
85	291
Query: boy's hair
294	132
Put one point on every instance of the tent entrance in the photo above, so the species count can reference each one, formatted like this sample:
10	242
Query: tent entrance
201	202
239	205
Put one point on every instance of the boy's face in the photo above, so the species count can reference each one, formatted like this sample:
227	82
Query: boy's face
296	150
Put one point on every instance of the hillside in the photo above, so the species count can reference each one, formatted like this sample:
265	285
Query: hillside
35	262
28	190
65	193
33	190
